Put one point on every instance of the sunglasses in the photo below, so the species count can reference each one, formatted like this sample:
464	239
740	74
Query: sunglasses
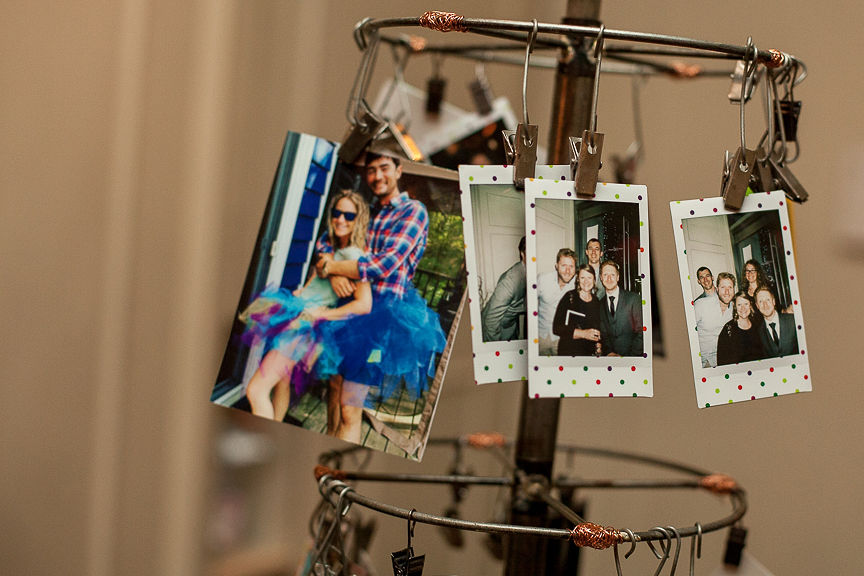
349	216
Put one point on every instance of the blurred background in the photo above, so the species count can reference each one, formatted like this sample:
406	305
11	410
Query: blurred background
139	142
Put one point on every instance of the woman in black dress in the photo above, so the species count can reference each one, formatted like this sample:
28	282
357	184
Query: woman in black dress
578	316
739	339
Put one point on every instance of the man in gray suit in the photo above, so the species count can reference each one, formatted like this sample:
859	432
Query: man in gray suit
502	317
622	330
778	332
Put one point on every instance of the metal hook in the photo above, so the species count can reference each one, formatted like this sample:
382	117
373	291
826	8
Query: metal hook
357	96
598	57
529	48
693	544
677	535
750	67
632	543
411	524
400	61
360	33
666	549
632	537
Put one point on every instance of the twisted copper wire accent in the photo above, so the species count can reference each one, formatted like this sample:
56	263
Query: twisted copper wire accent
485	439
719	483
443	21
322	470
777	59
590	535
681	70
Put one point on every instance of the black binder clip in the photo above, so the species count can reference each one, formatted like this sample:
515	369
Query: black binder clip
481	92
520	148
361	134
735	543
404	561
585	164
435	87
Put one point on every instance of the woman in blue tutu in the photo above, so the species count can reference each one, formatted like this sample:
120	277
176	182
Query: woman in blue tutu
298	328
394	347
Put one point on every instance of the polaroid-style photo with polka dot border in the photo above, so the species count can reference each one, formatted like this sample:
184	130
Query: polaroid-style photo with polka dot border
494	229
741	299
589	291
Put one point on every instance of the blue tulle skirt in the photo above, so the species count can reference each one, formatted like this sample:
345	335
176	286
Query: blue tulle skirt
394	344
276	317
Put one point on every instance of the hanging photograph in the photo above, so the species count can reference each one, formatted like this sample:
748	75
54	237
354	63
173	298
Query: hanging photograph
741	297
494	230
589	291
352	298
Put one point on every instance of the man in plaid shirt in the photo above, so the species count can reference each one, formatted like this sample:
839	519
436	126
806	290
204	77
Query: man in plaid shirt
396	242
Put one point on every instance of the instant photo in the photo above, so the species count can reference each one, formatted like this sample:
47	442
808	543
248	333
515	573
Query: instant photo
589	291
741	299
494	230
352	299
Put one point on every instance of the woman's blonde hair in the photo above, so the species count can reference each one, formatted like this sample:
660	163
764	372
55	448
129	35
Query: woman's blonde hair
361	222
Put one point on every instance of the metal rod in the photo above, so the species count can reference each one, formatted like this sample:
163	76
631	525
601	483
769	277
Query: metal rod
483	25
330	485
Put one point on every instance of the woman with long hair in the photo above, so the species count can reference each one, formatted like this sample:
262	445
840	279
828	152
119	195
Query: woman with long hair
754	277
739	339
296	327
578	317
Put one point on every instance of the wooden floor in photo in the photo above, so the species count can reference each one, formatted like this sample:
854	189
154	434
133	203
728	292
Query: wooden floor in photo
400	414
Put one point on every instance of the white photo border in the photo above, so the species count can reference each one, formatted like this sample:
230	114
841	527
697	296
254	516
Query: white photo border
588	376
504	361
750	380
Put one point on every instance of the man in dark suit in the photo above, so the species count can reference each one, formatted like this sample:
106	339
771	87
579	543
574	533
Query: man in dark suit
778	332
622	333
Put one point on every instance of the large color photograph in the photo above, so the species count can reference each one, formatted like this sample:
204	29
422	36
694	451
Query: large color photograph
352	299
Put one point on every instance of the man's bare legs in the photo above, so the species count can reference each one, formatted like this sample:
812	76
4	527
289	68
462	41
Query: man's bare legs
352	399
334	404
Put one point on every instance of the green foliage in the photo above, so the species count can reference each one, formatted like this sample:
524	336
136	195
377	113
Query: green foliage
445	248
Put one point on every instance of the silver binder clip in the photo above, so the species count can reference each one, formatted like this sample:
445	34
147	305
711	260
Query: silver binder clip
589	148
739	86
360	135
585	164
525	153
783	179
737	178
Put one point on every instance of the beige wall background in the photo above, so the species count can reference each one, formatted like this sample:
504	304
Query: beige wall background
139	140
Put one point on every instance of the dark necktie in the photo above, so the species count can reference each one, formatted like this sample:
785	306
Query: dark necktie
774	333
612	305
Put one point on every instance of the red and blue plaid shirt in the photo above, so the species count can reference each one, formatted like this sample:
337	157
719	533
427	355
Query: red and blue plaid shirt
395	243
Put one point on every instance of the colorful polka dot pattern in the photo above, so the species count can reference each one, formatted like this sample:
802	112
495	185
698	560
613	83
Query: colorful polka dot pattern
766	378
493	361
581	376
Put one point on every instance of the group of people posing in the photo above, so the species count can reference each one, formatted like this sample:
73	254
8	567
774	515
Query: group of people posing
582	310
358	322
741	326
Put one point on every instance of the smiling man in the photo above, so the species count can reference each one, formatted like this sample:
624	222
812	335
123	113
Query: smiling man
551	286
706	281
712	313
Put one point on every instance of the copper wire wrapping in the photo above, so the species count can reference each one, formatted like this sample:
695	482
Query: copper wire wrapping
443	21
590	535
322	470
485	439
719	483
777	59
